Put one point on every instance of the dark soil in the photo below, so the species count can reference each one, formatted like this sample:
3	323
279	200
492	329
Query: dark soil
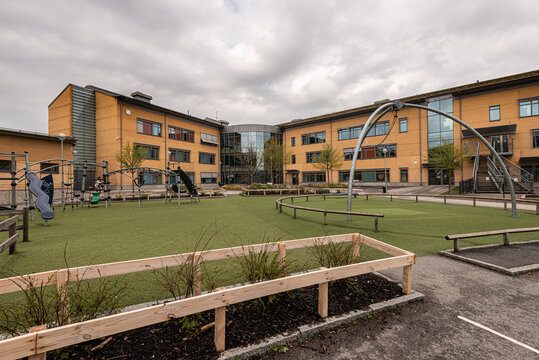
247	323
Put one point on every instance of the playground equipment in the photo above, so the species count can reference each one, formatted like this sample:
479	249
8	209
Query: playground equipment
42	199
398	105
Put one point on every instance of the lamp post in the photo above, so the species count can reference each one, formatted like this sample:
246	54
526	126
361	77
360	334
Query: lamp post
62	137
384	150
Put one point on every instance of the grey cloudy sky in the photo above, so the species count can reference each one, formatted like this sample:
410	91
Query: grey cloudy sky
256	61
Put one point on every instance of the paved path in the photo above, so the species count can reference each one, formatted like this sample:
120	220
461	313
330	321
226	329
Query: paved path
431	329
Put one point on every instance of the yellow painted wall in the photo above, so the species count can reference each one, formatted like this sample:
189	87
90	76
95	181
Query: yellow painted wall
60	113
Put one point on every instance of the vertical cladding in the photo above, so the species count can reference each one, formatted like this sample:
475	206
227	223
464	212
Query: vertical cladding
84	132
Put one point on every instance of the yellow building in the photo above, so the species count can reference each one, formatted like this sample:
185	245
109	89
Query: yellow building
505	111
103	121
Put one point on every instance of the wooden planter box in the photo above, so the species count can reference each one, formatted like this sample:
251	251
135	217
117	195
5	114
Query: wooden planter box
36	344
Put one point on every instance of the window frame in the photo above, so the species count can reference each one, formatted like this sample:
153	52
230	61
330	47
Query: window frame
212	157
403	121
293	159
293	141
151	123
319	176
181	131
313	136
311	155
535	131
490	109
7	170
531	100
407	174
150	148
53	168
173	159
202	142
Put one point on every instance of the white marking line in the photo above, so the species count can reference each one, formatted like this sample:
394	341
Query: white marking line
500	335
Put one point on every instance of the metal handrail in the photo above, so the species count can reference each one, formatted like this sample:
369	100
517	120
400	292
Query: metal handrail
495	174
476	167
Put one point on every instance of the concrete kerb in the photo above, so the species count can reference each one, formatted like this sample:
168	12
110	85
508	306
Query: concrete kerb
324	325
508	271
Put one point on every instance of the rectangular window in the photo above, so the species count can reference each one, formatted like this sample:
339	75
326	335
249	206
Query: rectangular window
292	141
313	138
177	133
179	155
529	108
365	175
148	127
403	125
206	158
439	127
404	175
314	177
208	177
152	152
345	175
350	132
5	165
348	154
312	157
150	178
47	168
494	113
535	138
209	139
293	160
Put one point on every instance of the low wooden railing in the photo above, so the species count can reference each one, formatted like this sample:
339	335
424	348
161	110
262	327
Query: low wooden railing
11	226
279	205
505	233
25	221
39	342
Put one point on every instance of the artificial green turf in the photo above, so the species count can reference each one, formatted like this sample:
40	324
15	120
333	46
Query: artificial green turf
125	232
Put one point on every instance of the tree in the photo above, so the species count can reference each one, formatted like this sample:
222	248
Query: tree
447	157
131	157
330	158
275	156
251	160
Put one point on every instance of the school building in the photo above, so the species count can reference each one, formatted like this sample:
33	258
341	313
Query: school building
98	122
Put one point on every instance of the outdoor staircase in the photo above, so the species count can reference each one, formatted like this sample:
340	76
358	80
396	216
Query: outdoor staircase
489	178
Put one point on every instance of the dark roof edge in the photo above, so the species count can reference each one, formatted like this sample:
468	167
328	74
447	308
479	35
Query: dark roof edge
458	90
34	135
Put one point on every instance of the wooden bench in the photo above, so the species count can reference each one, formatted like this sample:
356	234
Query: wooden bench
505	233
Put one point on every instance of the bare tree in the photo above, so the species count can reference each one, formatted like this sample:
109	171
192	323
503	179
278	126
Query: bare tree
275	156
251	160
447	157
330	158
131	157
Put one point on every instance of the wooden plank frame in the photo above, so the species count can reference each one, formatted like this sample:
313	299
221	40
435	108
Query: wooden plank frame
49	339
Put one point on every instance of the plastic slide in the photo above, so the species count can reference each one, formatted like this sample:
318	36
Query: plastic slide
42	199
187	182
95	197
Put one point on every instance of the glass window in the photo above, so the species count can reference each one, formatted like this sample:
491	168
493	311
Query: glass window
403	125
348	154
208	178
205	158
529	108
177	133
345	175
152	152
5	165
312	157
46	168
293	159
314	177
180	155
404	175
494	113
208	139
150	177
535	138
293	141
148	127
313	138
439	127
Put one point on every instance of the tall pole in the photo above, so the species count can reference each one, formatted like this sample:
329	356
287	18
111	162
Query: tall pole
385	169
62	137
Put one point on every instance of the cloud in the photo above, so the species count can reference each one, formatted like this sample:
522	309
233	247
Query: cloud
255	61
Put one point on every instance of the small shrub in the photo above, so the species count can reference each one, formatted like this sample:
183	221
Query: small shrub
260	265
333	254
216	193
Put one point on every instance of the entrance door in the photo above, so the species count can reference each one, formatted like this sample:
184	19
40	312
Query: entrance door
439	177
295	179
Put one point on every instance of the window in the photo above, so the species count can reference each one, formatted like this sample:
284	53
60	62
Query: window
179	155
440	128
148	127
205	158
150	178
208	139
348	154
364	175
152	152
350	132
208	177
404	175
177	133
494	113
313	138
403	125
345	175
47	168
535	138
529	107
292	141
293	160
314	177
312	157
5	165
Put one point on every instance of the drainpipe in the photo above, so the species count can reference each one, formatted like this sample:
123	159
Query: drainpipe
121	144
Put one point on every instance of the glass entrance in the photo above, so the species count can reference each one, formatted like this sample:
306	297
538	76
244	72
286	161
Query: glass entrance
500	143
439	177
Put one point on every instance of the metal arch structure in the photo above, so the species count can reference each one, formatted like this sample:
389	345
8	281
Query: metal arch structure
398	105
